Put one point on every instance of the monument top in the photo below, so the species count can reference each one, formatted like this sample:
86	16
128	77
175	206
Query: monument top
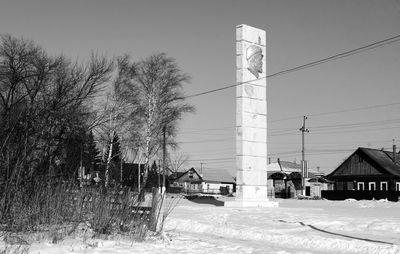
243	25
250	34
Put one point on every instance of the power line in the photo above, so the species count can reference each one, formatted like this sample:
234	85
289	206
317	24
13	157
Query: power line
311	64
313	152
214	168
197	134
283	131
341	55
198	131
207	140
195	130
223	88
349	131
356	109
359	124
337	111
216	159
321	129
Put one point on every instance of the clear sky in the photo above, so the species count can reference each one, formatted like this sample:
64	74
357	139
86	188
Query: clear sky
200	35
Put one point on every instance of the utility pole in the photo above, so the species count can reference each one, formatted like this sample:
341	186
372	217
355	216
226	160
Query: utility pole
164	155
304	173
139	177
122	164
201	167
159	174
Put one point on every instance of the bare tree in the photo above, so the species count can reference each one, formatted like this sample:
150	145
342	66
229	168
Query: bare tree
112	119
177	161
44	101
151	90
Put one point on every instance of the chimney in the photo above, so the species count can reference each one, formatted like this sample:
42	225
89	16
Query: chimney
279	163
394	152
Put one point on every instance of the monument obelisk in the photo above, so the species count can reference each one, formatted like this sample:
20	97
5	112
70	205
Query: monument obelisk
251	119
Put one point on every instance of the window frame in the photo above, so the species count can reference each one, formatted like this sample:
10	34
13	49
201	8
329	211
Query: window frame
371	184
384	183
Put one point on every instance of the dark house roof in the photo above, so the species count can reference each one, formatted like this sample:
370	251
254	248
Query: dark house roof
288	175
176	175
190	175
382	160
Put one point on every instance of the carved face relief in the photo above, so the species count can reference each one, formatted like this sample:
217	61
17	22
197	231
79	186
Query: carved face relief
254	58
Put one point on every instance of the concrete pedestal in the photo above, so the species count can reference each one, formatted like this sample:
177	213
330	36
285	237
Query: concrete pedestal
251	203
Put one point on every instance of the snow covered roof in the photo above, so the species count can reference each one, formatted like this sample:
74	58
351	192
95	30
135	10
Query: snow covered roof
207	175
287	167
216	176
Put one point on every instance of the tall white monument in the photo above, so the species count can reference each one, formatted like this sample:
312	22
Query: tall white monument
251	119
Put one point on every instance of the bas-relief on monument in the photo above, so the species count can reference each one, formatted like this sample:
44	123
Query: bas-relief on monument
251	120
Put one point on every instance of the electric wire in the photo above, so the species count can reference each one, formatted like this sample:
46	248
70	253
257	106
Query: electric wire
370	46
310	152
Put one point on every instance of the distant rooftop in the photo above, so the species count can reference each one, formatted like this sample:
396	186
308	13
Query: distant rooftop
287	166
216	175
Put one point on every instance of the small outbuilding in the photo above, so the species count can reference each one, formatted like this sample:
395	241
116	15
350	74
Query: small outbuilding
285	181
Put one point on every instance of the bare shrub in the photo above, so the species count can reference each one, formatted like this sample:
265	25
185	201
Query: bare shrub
15	249
43	206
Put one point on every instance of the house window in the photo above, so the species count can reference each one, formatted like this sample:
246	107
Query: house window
190	174
398	186
372	186
360	186
384	186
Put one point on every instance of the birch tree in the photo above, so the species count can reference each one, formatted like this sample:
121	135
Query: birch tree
152	91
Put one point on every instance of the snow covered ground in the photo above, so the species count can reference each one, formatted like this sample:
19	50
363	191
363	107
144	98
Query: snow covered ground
297	226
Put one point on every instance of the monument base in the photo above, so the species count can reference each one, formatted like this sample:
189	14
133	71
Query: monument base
251	196
251	203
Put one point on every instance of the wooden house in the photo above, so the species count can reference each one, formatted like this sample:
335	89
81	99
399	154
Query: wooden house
217	182
366	174
208	181
189	181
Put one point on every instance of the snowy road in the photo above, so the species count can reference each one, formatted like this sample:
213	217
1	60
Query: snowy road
297	226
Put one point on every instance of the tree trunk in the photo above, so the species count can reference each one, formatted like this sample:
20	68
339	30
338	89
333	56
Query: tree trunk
106	174
148	139
157	211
